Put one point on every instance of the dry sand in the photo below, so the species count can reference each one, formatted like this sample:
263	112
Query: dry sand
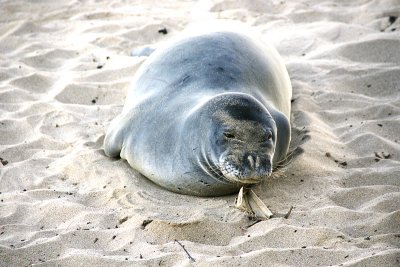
64	72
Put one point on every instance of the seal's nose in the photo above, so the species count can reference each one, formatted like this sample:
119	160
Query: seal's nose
257	167
254	161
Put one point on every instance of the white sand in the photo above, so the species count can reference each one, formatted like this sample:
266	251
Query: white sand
63	202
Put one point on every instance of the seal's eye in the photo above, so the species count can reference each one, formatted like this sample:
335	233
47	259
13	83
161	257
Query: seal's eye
269	136
229	135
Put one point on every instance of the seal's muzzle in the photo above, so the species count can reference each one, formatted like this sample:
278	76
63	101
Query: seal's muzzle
248	168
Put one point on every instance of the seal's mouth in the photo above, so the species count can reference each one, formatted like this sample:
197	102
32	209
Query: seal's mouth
230	170
245	180
251	170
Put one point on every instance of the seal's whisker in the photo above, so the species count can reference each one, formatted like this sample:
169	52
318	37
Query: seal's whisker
278	173
214	171
284	162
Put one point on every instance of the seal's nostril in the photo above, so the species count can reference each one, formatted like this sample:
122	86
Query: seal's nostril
251	161
258	161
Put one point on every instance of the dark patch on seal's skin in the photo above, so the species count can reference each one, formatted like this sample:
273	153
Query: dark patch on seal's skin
206	115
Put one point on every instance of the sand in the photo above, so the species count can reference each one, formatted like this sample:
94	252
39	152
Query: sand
65	67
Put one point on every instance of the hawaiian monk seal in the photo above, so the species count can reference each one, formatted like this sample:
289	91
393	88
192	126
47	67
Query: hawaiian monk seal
206	115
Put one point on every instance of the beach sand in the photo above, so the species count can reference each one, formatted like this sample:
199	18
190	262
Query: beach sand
65	67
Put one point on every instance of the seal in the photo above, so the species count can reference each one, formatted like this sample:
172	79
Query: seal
206	115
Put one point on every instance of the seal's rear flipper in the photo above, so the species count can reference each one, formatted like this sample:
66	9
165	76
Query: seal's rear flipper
143	51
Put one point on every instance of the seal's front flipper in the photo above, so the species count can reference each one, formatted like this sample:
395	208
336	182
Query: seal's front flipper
143	51
114	139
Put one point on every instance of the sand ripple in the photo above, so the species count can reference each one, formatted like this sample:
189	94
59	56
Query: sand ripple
64	73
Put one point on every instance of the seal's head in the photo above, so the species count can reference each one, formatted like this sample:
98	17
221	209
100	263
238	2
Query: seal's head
241	139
